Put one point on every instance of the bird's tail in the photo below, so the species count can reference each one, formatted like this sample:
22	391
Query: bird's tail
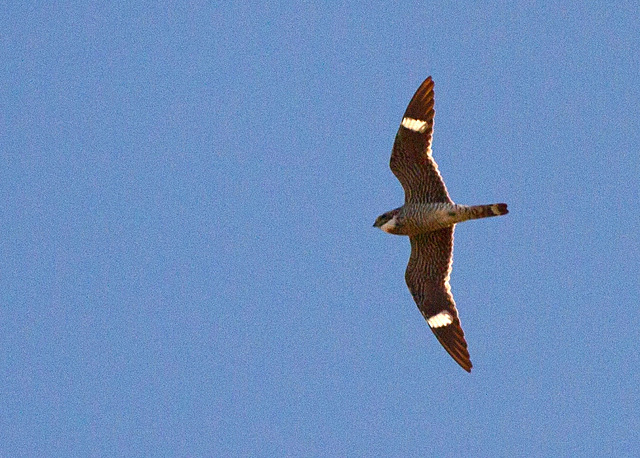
485	211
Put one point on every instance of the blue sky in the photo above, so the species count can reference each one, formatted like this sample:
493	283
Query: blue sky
188	263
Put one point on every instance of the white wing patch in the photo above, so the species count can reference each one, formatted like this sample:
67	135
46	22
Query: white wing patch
414	124
441	319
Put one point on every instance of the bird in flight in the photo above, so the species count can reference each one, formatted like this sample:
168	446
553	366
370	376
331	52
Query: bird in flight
428	217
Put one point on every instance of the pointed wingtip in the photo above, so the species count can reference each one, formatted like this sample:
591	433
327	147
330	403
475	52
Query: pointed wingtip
464	362
451	337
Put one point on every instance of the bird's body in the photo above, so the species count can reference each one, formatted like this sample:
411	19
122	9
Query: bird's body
428	217
418	218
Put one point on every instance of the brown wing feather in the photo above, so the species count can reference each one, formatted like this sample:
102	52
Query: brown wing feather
427	277
411	160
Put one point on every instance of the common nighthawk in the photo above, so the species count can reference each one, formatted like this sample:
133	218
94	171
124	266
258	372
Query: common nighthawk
428	217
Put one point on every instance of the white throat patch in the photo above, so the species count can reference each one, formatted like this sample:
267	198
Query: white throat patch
389	225
441	319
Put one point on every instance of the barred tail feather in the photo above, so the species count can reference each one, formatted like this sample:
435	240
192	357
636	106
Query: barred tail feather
485	211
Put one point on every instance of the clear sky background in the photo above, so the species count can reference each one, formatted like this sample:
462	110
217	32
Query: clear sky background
188	265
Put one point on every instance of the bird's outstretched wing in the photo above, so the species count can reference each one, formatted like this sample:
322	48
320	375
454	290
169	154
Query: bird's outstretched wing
427	277
411	160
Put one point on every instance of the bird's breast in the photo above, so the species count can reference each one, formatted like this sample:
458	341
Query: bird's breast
419	218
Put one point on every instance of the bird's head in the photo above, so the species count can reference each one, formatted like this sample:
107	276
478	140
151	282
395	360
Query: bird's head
387	221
